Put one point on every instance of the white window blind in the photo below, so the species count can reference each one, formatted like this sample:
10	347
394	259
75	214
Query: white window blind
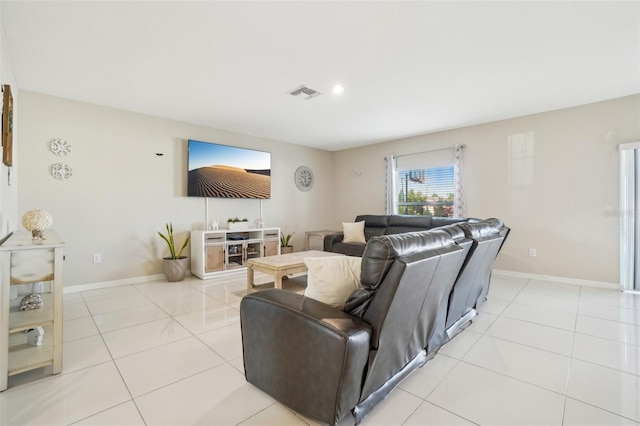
425	183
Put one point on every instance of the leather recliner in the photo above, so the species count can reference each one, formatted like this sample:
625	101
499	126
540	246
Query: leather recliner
324	362
472	285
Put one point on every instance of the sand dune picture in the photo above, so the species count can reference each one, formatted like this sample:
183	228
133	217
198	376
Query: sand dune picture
229	182
224	171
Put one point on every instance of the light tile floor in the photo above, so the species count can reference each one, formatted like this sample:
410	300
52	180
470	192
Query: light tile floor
163	353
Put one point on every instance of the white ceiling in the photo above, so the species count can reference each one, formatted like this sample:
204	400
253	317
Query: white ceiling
407	67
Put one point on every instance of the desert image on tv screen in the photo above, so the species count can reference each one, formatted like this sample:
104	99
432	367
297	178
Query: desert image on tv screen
228	172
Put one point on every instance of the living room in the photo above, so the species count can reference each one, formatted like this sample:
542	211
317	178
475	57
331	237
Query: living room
130	166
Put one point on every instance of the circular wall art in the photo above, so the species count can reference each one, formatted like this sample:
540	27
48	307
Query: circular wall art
303	178
60	147
61	171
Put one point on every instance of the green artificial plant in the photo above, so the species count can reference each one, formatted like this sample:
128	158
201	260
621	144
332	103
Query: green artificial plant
284	239
234	220
171	243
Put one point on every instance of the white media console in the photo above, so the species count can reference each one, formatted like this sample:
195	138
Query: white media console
221	250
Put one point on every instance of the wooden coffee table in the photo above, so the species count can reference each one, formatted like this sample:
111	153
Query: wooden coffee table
280	266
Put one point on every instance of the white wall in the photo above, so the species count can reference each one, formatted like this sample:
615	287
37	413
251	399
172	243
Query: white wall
121	192
8	175
568	210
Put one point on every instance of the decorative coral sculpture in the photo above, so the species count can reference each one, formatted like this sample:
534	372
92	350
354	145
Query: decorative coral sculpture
37	221
30	302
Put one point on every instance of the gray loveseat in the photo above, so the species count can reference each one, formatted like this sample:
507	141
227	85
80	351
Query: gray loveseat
377	225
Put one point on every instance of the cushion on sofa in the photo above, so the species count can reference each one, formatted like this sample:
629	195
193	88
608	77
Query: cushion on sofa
332	279
353	232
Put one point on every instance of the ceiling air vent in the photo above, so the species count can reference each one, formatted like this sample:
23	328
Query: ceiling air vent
304	90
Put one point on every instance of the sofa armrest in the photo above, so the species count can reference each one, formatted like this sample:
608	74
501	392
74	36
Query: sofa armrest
307	355
330	240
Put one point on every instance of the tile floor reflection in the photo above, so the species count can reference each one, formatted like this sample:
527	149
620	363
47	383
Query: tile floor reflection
159	353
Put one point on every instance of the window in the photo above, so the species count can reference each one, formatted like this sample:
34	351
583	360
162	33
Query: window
426	183
426	192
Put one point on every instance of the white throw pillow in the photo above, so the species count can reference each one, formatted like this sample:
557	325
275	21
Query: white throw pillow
353	232
332	279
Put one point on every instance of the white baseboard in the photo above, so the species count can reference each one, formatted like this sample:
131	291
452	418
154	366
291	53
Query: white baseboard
109	284
563	280
136	280
501	272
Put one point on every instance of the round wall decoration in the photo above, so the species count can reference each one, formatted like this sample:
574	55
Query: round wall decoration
61	171
303	178
60	147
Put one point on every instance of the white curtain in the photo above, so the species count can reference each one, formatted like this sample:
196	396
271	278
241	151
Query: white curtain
459	208
391	192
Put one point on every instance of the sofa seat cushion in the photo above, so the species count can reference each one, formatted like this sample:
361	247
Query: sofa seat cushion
332	279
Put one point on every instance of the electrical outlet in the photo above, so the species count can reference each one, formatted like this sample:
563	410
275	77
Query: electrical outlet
97	258
532	252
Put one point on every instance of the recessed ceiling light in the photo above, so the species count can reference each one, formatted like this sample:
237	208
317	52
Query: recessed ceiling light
338	89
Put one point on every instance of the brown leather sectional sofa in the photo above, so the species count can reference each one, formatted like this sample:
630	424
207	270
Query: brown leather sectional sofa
417	291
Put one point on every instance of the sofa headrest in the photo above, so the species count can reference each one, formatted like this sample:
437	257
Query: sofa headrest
423	222
457	234
373	220
382	251
489	228
437	222
495	222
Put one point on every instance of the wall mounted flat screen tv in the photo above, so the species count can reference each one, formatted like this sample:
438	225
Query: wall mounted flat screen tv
224	171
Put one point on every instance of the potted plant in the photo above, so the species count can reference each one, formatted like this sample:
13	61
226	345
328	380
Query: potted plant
174	266
285	247
235	223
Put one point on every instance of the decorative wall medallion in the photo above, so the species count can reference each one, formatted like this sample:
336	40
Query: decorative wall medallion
303	178
60	147
61	171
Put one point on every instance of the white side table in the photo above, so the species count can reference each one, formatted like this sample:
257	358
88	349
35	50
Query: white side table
321	234
26	261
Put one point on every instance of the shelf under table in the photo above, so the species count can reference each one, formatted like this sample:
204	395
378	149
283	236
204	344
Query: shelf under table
24	357
24	320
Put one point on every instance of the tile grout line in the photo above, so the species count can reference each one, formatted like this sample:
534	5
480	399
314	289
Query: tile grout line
113	360
115	364
458	361
599	408
456	364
